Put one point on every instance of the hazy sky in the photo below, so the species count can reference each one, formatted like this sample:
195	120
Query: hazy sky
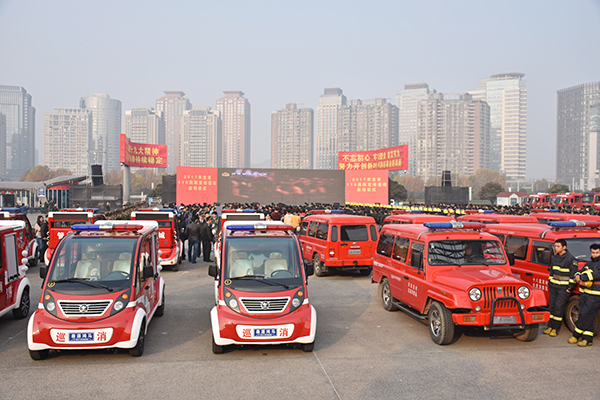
280	52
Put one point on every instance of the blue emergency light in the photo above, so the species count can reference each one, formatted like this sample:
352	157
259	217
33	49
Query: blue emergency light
11	209
453	225
259	227
573	223
106	227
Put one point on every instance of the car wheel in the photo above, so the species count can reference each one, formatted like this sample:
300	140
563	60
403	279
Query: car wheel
386	295
23	310
308	347
38	354
216	349
33	262
160	311
529	334
138	350
441	326
320	269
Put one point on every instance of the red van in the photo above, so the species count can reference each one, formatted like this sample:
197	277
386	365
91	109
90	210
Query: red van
491	218
26	237
14	285
337	241
415	218
101	290
170	246
60	222
261	288
532	245
545	216
451	273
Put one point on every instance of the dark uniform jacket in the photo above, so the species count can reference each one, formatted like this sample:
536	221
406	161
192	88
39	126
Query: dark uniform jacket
590	276
192	231
563	269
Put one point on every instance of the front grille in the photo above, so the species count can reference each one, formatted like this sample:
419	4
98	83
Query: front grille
491	292
84	307
265	305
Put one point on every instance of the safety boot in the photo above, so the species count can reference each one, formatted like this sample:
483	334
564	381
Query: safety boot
583	343
547	331
553	333
572	340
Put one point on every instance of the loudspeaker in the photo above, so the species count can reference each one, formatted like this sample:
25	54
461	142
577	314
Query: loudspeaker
446	179
97	178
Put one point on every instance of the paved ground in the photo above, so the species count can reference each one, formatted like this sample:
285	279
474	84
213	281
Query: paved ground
361	352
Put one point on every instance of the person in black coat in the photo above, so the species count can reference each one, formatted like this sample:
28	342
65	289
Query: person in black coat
207	238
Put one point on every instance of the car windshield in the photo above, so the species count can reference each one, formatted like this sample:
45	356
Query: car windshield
580	247
92	265
262	264
465	252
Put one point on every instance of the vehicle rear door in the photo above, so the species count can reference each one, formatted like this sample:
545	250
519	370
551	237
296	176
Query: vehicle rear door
10	268
354	242
3	276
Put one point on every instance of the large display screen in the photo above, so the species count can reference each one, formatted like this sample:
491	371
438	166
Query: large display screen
367	187
265	186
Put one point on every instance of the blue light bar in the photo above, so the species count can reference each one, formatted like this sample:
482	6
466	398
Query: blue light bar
488	211
453	225
259	227
11	209
573	223
85	227
168	210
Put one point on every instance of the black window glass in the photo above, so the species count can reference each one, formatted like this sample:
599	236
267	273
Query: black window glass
386	242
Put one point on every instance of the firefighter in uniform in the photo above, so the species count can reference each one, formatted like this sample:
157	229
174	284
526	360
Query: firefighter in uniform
563	267
589	301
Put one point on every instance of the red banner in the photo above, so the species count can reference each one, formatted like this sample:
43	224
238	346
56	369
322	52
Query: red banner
367	187
390	158
197	185
142	154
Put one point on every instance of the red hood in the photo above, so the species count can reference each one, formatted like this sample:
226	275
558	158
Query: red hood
464	277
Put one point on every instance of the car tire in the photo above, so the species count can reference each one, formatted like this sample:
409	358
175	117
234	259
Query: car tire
33	262
529	334
441	326
216	349
138	350
386	295
39	354
320	268
308	347
24	303
160	311
572	315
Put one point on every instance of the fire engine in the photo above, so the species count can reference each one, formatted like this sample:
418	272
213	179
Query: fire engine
261	288
170	244
26	237
100	291
14	285
60	222
451	273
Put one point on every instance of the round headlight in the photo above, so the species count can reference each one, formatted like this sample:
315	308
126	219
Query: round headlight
475	294
296	302
523	292
50	306
118	305
233	303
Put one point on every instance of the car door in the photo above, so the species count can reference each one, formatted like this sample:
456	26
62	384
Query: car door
414	276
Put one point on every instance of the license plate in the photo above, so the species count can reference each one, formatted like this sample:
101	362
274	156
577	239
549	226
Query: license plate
81	337
505	320
265	332
354	251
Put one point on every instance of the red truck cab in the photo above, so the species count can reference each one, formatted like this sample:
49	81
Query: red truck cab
403	217
337	241
261	288
60	222
491	218
15	287
451	273
170	245
545	216
101	290
26	237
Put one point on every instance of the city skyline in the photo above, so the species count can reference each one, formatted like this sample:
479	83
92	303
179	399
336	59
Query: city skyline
276	54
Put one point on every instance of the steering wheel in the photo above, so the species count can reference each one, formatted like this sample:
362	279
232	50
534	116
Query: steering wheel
281	273
125	274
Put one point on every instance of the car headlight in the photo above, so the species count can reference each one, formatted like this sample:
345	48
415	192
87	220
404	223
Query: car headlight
475	294
233	303
523	292
50	306
296	302
118	305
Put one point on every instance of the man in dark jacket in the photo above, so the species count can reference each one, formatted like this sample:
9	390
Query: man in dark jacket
192	231
589	301
563	267
207	238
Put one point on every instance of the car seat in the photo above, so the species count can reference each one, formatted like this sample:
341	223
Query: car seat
123	264
240	265
275	263
88	266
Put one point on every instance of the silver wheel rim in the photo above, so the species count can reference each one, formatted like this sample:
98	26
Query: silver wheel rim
386	294
436	323
575	314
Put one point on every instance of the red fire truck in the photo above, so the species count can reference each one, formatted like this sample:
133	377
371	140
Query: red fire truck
170	244
14	285
26	237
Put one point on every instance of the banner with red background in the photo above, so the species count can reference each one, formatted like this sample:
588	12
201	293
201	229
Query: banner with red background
142	154
390	158
367	187
197	185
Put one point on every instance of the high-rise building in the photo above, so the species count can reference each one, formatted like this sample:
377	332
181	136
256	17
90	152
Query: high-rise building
506	94
235	142
67	136
577	141
106	127
357	125
453	134
201	138
292	138
173	104
15	104
144	125
2	146
407	101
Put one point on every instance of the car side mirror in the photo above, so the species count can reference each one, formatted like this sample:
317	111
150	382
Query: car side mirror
213	271
309	268
43	272
511	258
148	272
